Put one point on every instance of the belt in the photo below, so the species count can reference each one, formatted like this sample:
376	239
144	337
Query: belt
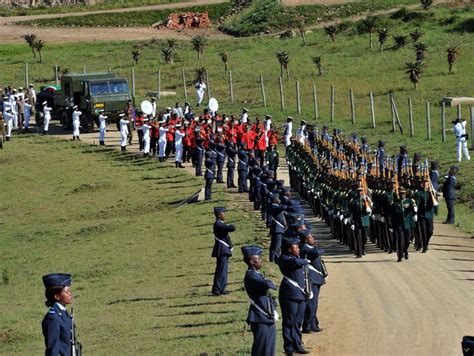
224	243
264	312
311	267
279	223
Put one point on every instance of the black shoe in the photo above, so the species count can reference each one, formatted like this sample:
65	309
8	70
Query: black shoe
424	250
302	352
225	292
289	353
318	329
406	256
7	138
448	222
216	294
390	251
307	332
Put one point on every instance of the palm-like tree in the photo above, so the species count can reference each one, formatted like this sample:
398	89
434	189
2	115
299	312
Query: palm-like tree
284	60
199	42
317	62
420	48
414	71
225	59
167	54
425	4
370	25
38	45
416	34
452	54
383	35
200	74
136	55
400	41
302	28
331	31
31	39
171	42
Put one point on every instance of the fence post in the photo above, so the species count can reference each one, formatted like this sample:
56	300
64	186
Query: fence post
459	112
410	117
282	100
84	69
395	112
443	122
472	127
133	82
392	111
231	89
428	121
158	90
27	81
333	94
262	88
315	100
372	109
208	86
184	84
56	74
298	102
351	97
108	69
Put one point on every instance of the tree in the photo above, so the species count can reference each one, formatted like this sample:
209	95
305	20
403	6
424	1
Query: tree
416	34
370	26
400	41
38	45
224	58
425	4
167	54
200	74
302	28
331	31
452	53
136	55
199	42
420	48
171	43
317	61
31	39
383	35
414	71
284	60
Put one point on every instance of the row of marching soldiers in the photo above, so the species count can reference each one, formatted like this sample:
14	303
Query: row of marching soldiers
365	197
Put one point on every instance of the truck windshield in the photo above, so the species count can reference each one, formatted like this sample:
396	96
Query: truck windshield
103	88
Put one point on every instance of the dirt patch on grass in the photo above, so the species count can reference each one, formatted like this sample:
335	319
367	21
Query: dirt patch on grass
88	187
314	2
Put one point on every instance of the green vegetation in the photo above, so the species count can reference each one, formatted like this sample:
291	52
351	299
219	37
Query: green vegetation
108	5
129	19
348	64
142	280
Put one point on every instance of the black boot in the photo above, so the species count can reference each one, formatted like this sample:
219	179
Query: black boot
8	138
101	143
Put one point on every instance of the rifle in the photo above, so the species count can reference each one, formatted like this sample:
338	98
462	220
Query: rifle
76	347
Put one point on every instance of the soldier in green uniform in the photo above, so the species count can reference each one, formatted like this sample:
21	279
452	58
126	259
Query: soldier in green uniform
273	159
425	204
361	217
403	220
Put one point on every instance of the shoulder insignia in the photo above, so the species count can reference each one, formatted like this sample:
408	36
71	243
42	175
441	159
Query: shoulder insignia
51	311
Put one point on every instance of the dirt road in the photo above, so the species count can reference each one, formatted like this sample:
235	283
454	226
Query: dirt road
375	306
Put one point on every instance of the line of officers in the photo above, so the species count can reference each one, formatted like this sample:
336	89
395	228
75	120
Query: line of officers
388	210
293	248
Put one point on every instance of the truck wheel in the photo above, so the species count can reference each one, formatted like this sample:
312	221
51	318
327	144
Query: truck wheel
87	123
65	121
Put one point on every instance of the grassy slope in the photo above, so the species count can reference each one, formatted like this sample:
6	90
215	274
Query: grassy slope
134	18
142	268
347	64
110	4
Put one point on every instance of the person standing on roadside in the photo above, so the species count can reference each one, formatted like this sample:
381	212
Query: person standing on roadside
449	193
76	122
102	127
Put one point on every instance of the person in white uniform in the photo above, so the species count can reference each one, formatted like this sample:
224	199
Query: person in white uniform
47	117
123	132
288	131
153	106
245	116
14	108
102	127
27	114
301	133
178	144
162	141
8	117
200	90
32	94
459	130
146	137
76	123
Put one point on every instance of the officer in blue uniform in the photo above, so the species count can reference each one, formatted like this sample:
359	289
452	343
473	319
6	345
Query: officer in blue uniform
292	296
209	175
311	252
220	159
243	169
231	152
449	193
277	227
222	251
261	316
57	324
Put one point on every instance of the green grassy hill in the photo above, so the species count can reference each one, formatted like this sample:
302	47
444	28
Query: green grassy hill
142	268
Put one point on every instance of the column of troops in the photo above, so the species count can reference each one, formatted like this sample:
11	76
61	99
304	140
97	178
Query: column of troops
365	196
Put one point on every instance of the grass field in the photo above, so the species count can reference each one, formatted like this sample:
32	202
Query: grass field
130	19
142	268
347	63
108	5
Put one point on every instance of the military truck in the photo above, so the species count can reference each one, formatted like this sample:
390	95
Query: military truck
91	92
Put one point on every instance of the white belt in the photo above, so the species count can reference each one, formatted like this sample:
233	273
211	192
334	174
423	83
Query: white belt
220	153
279	223
296	285
242	162
275	315
311	267
207	169
230	159
224	243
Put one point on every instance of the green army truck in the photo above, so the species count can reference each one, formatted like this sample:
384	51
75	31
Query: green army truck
91	92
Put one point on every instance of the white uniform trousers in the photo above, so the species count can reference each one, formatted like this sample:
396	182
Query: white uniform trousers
461	147
162	148
178	153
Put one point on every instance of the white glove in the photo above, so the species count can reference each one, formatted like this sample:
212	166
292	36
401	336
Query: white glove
368	210
275	315
415	209
415	218
346	220
341	217
435	203
352	227
382	219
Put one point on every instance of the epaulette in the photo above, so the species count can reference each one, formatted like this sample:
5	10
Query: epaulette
52	311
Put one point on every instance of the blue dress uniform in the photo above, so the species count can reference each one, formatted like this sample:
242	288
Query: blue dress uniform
313	253
198	155
210	165
261	315
57	323
220	151
222	251
231	152
277	229
256	173
449	193
292	299
243	169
